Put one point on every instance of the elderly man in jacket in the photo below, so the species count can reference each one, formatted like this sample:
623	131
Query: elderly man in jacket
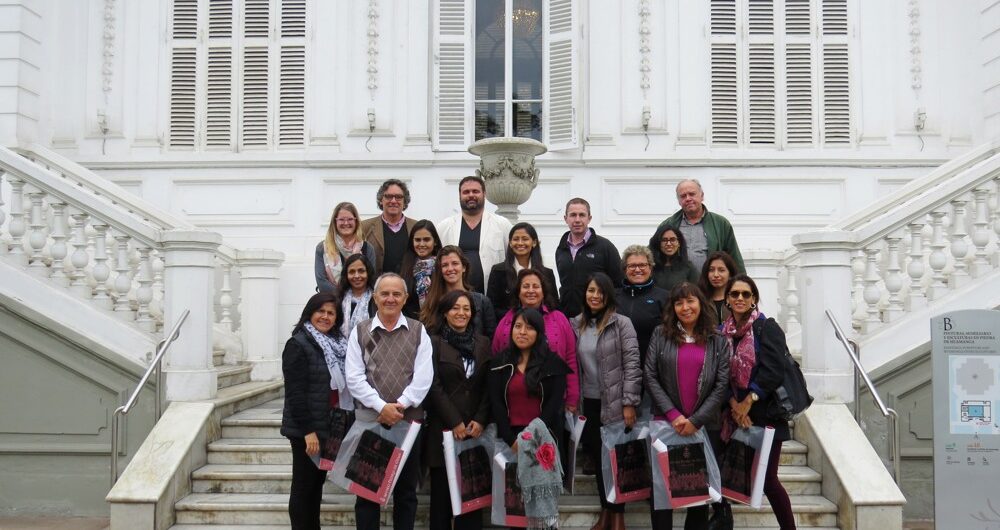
481	235
704	231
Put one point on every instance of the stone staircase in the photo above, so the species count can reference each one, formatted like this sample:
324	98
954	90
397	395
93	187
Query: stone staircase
246	481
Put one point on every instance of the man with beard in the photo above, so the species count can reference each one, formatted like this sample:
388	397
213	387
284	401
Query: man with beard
481	235
389	233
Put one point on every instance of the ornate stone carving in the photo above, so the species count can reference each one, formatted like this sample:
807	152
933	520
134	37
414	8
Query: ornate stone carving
916	74
372	46
107	64
645	61
508	167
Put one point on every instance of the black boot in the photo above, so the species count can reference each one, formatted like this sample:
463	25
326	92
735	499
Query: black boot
722	517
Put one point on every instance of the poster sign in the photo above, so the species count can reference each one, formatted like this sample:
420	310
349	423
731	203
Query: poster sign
965	351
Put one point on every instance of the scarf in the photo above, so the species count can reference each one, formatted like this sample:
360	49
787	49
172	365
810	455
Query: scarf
334	350
539	473
332	263
359	313
422	271
741	342
464	341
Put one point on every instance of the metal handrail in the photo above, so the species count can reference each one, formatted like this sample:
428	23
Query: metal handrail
161	349
891	416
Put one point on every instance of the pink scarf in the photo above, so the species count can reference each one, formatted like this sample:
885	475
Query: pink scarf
744	353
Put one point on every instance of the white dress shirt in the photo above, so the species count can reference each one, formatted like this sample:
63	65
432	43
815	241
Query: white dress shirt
357	380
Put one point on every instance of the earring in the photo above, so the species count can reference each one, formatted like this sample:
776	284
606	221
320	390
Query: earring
729	307
753	306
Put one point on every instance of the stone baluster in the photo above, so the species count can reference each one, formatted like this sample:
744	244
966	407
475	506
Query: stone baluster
858	289
938	260
3	216
156	305
893	277
144	293
915	268
226	298
101	272
38	236
58	250
78	278
17	226
872	293
123	279
996	220
959	246
981	235
792	324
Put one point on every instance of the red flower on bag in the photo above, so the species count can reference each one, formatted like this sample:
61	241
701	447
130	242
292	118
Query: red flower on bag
546	456
526	435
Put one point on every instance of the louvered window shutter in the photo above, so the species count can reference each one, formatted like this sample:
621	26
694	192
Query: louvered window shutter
219	84
183	74
255	118
559	101
836	73
292	76
799	129
724	91
760	106
452	35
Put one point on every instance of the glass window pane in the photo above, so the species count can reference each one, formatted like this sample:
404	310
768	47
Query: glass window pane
528	120
526	18
490	49
489	120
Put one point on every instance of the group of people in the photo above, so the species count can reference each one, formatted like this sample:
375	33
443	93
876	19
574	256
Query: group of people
405	327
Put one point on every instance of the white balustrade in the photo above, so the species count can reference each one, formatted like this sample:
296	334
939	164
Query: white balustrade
3	240
58	250
981	234
17	226
959	246
893	278
225	297
916	299
101	272
938	260
872	294
792	324
858	307
144	294
123	279
38	236
80	258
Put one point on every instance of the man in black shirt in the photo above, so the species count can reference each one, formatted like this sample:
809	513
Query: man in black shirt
581	252
389	233
481	235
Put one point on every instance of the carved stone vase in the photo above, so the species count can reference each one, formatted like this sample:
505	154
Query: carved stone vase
508	167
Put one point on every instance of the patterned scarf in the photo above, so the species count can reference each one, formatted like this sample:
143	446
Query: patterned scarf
359	313
334	350
463	341
422	271
539	473
332	263
741	342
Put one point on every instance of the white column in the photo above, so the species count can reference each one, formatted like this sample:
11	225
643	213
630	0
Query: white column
260	333
825	284
189	283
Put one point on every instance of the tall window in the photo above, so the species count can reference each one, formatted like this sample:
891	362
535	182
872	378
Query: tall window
780	73
508	68
237	74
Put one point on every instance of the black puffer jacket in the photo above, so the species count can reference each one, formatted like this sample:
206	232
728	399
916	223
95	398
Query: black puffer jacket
596	255
307	388
553	381
643	305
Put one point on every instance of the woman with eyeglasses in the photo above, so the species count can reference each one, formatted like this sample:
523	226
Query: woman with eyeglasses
687	376
639	298
715	274
343	238
755	372
670	258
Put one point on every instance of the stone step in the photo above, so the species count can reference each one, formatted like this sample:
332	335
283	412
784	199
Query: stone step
218	357
271	478
232	375
277	451
575	511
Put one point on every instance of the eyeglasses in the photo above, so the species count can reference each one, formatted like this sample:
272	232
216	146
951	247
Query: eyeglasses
669	241
346	220
637	266
740	294
393	197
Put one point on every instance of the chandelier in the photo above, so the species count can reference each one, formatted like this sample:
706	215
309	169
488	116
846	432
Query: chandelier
524	18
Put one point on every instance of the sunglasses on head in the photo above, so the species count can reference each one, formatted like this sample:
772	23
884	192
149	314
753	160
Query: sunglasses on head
740	294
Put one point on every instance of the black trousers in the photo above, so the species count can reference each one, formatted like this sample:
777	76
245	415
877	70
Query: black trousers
591	441
307	488
404	498
440	517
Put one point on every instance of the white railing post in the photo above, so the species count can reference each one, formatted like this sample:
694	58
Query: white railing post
824	272
144	294
262	335
58	250
189	282
893	277
915	268
101	272
959	246
80	258
3	241
872	293
123	279
981	236
17	227
938	260
38	236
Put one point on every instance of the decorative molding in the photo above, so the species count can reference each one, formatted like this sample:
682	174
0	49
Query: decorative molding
916	74
107	64
372	47
645	62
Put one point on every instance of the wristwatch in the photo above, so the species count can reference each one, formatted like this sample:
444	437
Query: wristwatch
754	397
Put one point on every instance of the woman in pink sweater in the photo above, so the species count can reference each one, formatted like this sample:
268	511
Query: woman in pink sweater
534	292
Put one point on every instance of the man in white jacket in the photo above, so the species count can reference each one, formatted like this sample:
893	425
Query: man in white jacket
481	235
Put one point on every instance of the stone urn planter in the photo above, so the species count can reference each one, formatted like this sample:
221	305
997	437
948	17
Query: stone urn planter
508	167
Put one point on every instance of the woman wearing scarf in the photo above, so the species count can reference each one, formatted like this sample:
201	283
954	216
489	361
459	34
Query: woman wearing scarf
343	238
357	284
313	366
457	399
451	273
687	375
418	264
758	344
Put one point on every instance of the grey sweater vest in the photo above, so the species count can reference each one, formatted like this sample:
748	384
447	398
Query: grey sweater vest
389	358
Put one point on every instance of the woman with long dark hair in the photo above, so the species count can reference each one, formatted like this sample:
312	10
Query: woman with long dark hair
457	400
451	273
343	238
715	274
418	264
755	372
686	374
610	378
670	258
313	365
523	252
357	285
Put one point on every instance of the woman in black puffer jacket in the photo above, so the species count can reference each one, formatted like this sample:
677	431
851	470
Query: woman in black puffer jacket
313	366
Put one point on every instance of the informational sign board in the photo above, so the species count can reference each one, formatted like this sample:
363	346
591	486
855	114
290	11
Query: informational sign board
965	350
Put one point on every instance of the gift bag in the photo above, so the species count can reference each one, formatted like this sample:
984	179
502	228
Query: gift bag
468	465
340	423
744	464
508	505
574	431
371	458
625	462
684	469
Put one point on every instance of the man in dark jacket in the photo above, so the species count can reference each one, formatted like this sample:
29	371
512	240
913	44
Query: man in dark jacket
581	252
704	231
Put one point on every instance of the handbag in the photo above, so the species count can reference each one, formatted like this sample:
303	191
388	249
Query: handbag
791	398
